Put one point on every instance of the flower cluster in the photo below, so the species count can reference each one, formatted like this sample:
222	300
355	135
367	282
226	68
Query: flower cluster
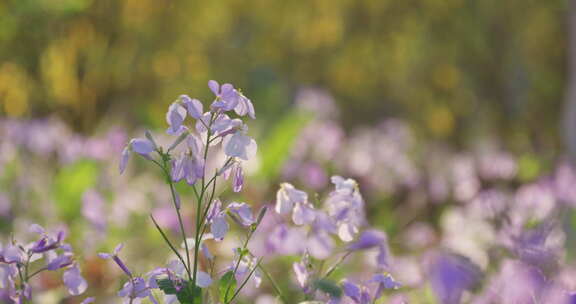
19	263
342	215
187	159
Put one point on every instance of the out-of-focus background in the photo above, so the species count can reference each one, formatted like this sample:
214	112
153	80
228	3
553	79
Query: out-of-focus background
452	115
454	69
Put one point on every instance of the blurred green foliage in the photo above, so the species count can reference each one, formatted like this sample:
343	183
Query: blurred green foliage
452	65
69	185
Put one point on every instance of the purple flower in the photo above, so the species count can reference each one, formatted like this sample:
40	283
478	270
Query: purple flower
359	294
114	256
11	254
142	146
384	281
302	273
237	178
188	167
47	242
242	212
303	214
88	300
74	281
193	106
450	275
244	106
60	261
124	159
217	217
175	117
368	239
226	96
346	206
135	288
287	196
239	145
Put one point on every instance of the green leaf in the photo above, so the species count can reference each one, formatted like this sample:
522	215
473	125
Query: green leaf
166	286
328	287
227	282
185	295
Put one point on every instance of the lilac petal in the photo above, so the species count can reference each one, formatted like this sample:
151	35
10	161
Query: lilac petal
122	266
206	252
450	275
60	261
347	231
124	159
142	146
193	106
382	258
237	178
104	255
214	87
175	117
287	196
135	288
203	279
244	106
195	145
303	214
118	248
37	229
215	208
177	168
88	300
386	280
368	239
219	226
243	211
13	254
351	290
302	274
74	281
320	245
239	145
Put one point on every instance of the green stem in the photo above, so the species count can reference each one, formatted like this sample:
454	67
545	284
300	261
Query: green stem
170	245
180	222
245	281
242	252
199	205
331	270
274	284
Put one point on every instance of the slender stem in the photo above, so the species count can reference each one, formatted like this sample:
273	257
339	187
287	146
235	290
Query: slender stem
331	270
28	277
199	205
245	281
180	222
242	252
170	244
273	282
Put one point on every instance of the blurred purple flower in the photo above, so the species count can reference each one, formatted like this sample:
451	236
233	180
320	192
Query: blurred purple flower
74	281
450	275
